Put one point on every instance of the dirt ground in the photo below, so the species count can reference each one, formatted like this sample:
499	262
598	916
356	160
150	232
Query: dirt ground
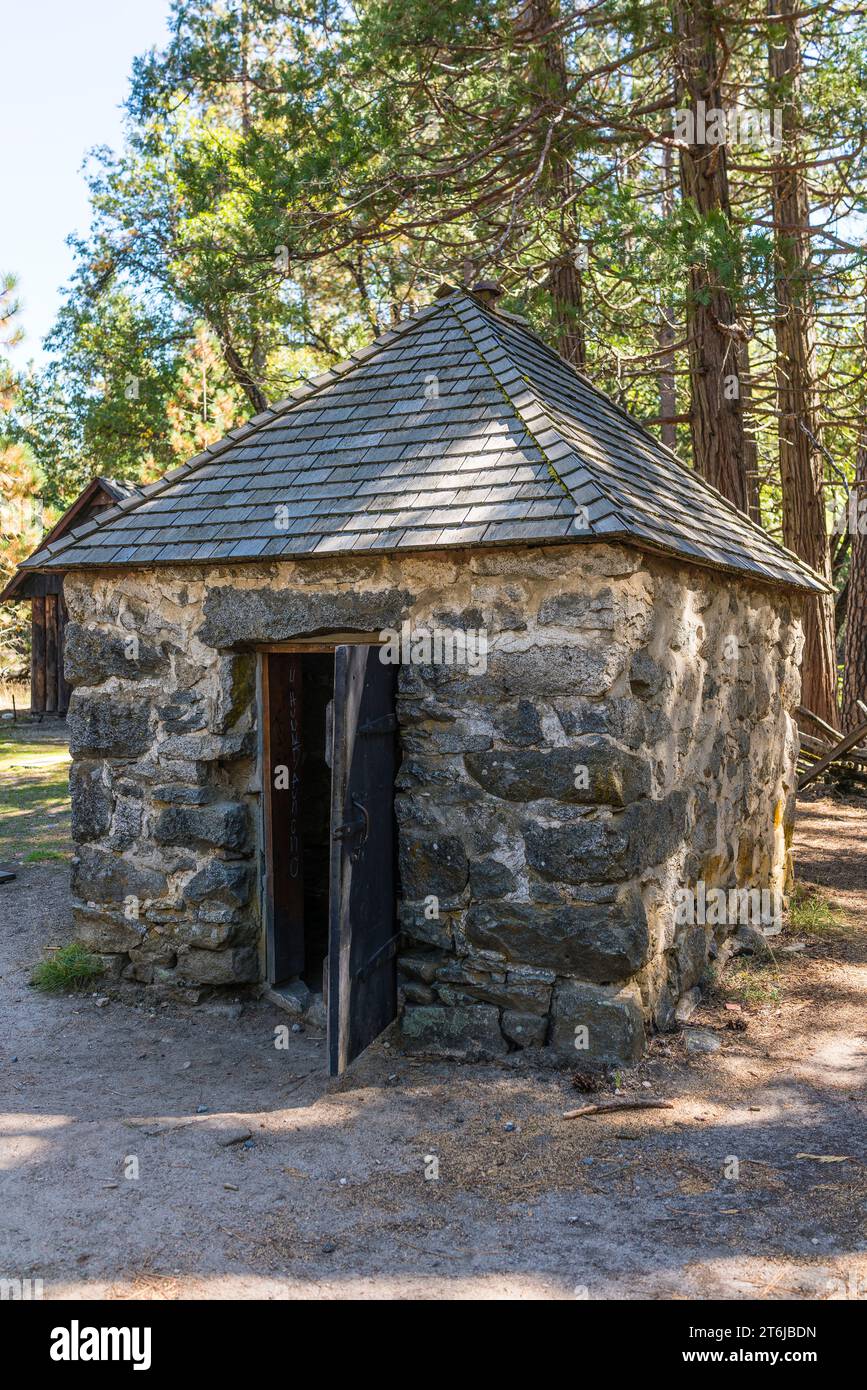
328	1196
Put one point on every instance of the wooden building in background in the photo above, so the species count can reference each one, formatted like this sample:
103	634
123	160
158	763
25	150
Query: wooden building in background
49	692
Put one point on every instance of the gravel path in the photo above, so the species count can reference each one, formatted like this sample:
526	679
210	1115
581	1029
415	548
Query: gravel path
328	1196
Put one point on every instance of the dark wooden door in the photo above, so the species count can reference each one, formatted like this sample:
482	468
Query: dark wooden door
362	994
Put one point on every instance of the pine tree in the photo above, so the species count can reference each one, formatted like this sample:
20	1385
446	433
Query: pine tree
20	505
802	469
715	334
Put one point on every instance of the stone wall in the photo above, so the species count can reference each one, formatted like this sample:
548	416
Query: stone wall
632	734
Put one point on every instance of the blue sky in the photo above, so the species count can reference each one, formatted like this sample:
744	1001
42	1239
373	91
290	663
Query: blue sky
65	72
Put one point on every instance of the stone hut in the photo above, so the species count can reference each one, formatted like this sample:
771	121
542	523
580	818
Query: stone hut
427	694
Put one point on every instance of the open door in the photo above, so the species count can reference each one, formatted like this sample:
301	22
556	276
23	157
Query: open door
362	991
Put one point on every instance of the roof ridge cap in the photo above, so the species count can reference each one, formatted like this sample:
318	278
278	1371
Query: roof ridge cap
520	412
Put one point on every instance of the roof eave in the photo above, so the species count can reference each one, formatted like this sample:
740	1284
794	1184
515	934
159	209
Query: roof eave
619	537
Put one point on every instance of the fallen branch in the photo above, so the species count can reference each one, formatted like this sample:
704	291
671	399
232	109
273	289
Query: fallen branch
826	1158
817	747
835	753
608	1107
803	713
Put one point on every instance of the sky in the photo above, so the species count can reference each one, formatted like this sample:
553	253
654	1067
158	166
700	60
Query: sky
66	65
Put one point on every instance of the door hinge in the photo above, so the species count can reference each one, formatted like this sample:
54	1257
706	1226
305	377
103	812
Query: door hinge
385	724
347	828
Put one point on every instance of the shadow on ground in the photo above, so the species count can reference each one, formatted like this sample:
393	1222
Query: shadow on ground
256	1178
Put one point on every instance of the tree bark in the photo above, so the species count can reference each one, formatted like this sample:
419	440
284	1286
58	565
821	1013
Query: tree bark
567	296
801	465
855	646
751	446
245	68
713	331
666	335
549	74
242	374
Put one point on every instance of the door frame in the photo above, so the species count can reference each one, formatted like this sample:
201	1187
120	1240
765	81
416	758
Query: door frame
322	643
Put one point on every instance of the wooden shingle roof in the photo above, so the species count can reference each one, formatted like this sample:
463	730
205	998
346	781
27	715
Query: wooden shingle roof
459	427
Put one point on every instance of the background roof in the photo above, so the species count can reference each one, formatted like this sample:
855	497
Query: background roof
100	492
458	427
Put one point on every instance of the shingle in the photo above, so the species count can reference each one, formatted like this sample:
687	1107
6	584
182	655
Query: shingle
125	555
387	540
249	548
461	535
420	537
343	542
177	550
500	531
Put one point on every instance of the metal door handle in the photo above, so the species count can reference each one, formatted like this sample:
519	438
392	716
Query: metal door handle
356	853
359	823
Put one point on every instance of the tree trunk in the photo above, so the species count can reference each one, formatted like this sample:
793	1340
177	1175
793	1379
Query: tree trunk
245	68
855	647
549	79
751	445
713	331
567	295
666	336
801	466
243	375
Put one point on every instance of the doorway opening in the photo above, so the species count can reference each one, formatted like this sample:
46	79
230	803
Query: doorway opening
300	690
329	751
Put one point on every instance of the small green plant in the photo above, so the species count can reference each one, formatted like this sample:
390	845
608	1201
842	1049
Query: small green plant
752	984
809	911
72	967
41	856
710	978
